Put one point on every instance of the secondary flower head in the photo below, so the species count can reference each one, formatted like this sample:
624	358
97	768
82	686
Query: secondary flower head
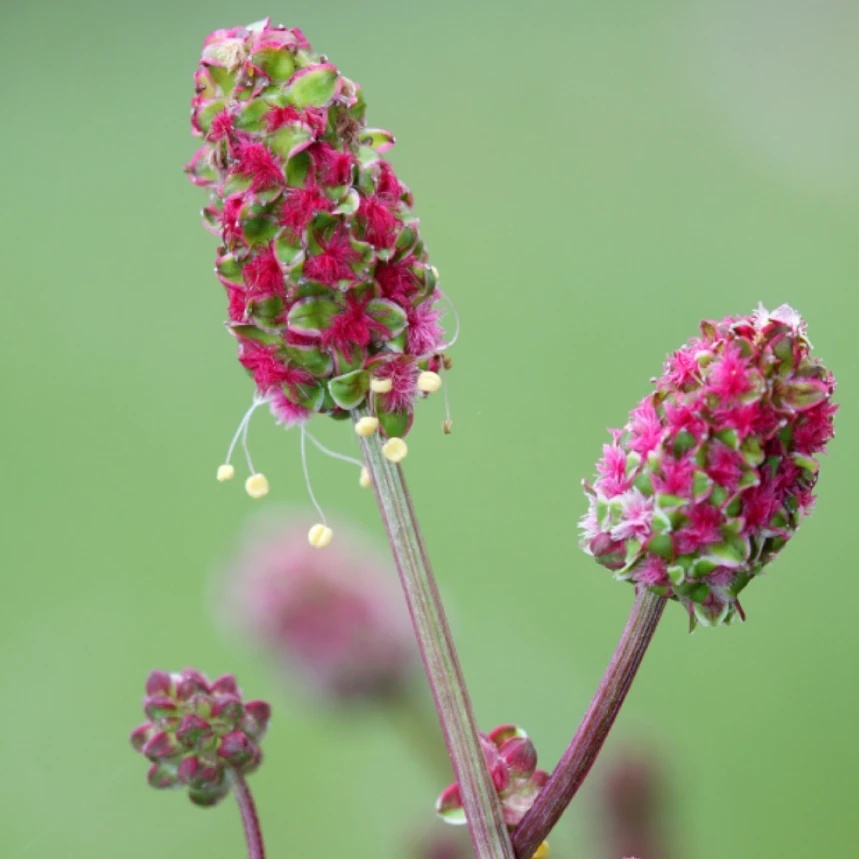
197	730
328	282
334	619
512	762
715	468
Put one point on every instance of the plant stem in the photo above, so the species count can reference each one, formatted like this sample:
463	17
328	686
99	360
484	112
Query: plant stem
479	798
583	749
253	833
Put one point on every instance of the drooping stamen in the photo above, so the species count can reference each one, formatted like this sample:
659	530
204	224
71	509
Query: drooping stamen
258	401
428	382
320	535
395	450
447	423
366	426
226	471
452	308
362	480
333	453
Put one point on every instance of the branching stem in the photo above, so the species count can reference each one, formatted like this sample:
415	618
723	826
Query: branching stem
583	749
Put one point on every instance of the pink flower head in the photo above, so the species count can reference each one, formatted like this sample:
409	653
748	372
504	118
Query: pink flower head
196	730
318	240
512	762
333	620
715	468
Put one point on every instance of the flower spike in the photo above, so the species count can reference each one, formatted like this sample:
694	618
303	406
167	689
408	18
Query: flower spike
331	297
714	470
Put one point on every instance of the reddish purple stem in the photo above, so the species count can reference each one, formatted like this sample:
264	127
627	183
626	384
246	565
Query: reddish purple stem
253	833
580	755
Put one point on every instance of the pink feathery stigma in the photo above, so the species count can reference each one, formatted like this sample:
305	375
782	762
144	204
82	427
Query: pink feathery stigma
716	467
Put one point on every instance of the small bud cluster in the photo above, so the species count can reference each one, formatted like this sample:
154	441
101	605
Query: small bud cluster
512	762
331	296
333	620
196	731
715	469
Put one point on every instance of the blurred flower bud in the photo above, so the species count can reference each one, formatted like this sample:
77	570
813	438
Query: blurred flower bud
439	842
335	620
512	762
327	278
632	809
715	469
196	731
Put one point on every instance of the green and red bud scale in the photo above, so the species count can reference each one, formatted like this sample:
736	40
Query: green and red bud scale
329	284
196	731
715	468
512	762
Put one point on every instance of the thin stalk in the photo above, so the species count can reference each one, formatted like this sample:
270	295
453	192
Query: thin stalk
253	833
583	749
479	799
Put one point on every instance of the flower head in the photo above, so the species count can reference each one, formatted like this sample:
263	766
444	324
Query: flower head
334	620
326	275
198	730
512	762
715	468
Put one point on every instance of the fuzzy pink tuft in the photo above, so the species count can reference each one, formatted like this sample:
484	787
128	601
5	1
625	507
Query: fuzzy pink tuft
424	334
352	326
256	162
263	274
333	264
285	412
299	207
380	225
403	373
334	167
276	117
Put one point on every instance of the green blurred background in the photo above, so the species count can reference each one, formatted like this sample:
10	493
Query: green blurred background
592	180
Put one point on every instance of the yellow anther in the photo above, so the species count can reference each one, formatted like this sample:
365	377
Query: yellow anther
429	382
447	426
395	450
381	386
542	852
365	481
366	426
256	486
319	536
226	472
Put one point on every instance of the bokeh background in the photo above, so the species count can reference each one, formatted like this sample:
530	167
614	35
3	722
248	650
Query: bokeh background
592	180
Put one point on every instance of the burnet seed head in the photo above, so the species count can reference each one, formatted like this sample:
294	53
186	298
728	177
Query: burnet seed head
197	730
715	468
331	296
